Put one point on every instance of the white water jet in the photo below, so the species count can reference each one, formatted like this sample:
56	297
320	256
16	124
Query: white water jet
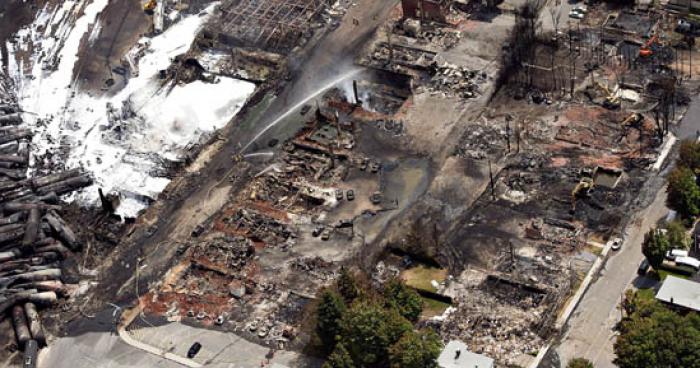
248	155
301	103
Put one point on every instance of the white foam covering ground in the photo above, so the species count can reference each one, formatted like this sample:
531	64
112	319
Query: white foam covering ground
123	152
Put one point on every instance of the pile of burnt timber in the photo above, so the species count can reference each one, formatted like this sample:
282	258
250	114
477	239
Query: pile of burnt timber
34	239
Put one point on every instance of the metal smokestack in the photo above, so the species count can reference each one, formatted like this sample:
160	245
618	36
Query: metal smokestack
354	91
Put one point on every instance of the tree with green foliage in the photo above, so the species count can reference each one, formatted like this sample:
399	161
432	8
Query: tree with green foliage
328	315
404	299
683	192
339	358
368	330
347	286
689	155
579	363
637	305
655	246
416	350
677	235
654	336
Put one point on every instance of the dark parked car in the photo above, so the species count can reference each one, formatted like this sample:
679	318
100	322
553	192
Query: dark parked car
643	267
326	234
194	349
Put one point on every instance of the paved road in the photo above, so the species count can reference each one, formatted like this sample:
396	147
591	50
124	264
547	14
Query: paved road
590	330
98	350
558	10
219	349
690	124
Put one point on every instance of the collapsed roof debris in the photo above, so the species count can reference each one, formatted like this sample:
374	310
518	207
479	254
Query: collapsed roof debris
479	167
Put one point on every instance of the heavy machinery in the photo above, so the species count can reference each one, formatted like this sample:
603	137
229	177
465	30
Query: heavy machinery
150	5
581	190
633	120
646	49
611	102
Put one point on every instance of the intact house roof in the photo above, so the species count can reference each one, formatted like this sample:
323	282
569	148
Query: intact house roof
466	359
680	292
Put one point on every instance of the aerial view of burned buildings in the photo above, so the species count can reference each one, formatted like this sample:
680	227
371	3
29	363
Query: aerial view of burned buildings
190	179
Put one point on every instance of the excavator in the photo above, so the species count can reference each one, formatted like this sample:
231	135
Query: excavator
632	120
581	190
149	6
645	50
612	102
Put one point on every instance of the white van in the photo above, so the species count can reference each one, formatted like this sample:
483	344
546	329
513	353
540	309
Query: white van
675	253
688	261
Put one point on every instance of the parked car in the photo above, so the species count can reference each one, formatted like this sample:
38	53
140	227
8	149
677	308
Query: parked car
351	195
194	349
616	244
344	223
339	194
376	198
326	234
580	9
363	164
676	253
643	267
576	15
317	231
688	261
685	27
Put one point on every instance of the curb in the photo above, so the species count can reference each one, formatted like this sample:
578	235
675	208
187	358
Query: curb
129	317
573	302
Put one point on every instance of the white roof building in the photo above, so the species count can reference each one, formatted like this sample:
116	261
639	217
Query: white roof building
456	355
680	292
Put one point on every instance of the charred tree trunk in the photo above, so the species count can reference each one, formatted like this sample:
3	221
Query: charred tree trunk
31	231
63	231
19	321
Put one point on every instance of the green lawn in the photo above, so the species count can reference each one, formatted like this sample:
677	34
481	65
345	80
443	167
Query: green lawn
420	277
433	307
662	273
646	294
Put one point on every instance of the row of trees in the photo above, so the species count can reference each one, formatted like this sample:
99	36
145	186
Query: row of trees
653	336
683	189
361	327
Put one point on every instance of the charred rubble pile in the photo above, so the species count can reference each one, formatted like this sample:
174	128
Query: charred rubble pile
452	80
34	239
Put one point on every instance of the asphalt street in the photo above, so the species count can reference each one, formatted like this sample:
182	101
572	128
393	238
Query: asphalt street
590	331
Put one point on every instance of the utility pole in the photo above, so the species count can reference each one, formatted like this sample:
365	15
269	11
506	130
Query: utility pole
493	192
512	254
391	48
508	133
